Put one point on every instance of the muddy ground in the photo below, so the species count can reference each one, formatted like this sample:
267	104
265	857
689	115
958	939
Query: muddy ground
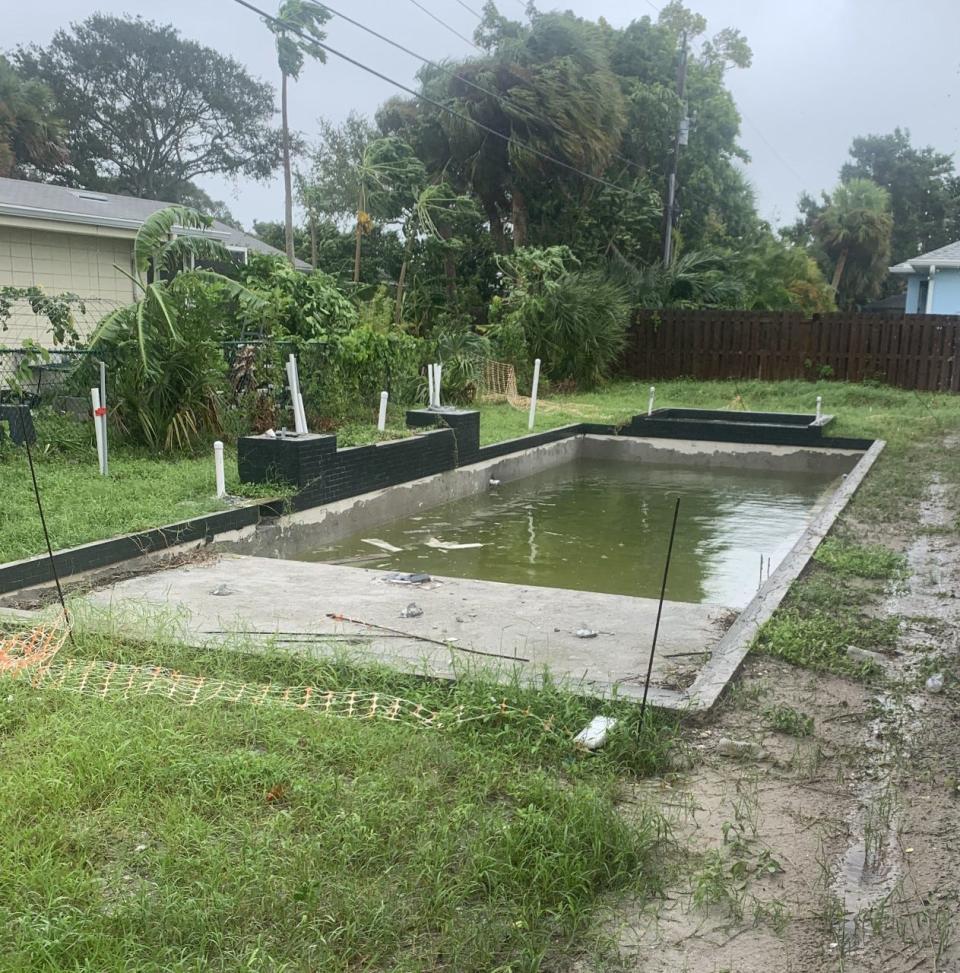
833	851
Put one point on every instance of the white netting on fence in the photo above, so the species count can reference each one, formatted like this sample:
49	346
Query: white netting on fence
34	655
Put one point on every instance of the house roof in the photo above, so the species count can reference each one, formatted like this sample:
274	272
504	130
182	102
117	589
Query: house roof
41	201
947	257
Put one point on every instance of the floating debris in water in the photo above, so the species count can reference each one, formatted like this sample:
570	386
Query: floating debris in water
449	545
222	589
585	633
404	577
494	483
383	545
412	610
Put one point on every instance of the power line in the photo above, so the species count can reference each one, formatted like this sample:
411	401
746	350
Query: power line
502	100
470	9
443	23
510	140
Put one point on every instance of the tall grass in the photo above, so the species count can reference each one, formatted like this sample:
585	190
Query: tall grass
142	835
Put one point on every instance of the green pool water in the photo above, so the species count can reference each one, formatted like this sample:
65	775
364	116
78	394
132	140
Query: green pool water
603	526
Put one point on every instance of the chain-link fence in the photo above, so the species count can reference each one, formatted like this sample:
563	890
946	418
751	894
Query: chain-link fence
36	375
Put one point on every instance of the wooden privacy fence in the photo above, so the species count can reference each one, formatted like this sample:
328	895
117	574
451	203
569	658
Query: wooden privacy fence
913	351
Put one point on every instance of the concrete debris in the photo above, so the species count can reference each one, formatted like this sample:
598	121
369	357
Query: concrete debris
383	545
741	749
449	545
594	734
412	610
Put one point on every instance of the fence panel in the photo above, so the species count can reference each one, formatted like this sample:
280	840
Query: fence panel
910	350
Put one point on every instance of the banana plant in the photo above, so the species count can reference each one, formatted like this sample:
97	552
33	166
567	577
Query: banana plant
166	363
158	256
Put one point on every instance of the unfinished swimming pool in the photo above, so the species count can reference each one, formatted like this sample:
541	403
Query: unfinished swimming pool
601	525
512	551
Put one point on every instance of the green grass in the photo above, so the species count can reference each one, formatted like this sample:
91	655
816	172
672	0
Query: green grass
143	835
786	719
140	492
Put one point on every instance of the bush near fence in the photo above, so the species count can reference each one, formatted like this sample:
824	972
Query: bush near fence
912	351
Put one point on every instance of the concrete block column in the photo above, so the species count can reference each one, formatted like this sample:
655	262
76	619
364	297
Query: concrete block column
465	424
291	459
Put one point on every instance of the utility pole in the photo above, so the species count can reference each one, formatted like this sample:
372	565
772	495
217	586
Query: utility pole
679	138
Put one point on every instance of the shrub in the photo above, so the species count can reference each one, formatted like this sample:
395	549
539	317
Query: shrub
574	320
308	306
339	377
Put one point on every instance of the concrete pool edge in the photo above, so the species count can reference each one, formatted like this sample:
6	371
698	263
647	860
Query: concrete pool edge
732	649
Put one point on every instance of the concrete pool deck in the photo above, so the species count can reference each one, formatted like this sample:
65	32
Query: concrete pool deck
241	594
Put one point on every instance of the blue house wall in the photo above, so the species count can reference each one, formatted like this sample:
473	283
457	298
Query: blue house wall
946	293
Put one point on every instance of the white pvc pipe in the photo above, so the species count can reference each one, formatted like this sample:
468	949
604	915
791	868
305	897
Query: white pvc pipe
218	464
303	413
437	373
430	386
103	418
98	429
653	395
382	418
293	377
819	407
533	394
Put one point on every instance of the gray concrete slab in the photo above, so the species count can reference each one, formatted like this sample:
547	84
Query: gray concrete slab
273	595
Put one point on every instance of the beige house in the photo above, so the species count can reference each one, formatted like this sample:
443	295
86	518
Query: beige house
71	240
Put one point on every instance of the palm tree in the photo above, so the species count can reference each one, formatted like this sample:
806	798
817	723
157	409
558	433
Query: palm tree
30	133
854	230
297	29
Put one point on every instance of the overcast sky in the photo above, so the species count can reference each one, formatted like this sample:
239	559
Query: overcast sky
823	71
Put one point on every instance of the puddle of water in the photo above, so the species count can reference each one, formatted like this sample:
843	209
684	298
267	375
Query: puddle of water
603	526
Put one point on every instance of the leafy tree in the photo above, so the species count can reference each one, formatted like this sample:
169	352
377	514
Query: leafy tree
853	232
924	201
31	134
547	85
777	276
297	30
147	111
332	182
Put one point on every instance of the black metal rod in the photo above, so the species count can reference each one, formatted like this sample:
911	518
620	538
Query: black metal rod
656	627
46	533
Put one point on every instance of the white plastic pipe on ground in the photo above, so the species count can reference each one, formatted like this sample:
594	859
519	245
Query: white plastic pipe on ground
653	395
437	373
382	418
819	407
533	394
430	386
98	417
218	464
